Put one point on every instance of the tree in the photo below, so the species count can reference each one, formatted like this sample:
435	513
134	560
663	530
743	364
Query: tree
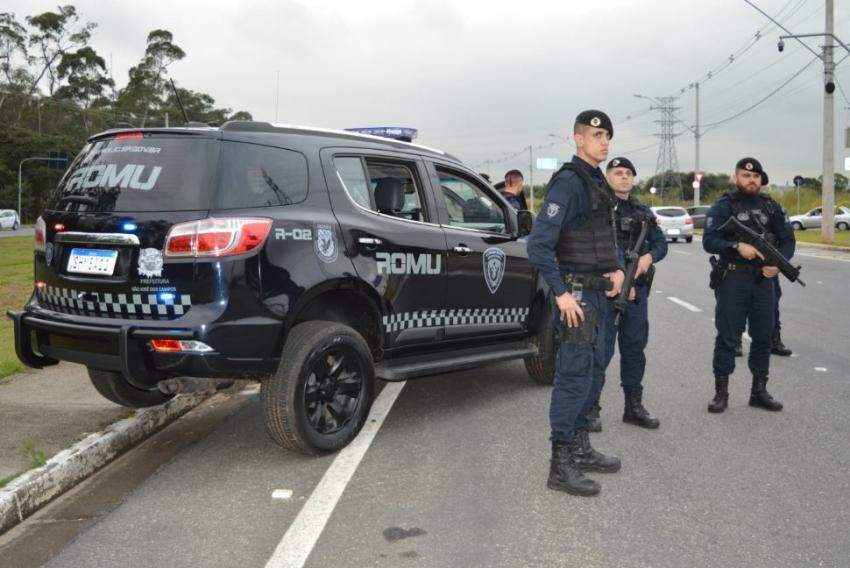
144	92
13	40
85	72
199	107
55	34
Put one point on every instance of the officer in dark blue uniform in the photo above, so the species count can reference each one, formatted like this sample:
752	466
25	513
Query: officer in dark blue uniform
632	332
744	286
573	246
511	189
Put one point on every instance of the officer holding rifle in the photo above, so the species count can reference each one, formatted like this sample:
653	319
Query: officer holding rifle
743	278
641	242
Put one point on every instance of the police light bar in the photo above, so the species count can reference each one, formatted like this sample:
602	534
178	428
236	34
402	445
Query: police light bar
395	132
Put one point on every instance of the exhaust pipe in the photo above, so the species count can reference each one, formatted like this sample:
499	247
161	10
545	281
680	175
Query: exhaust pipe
182	385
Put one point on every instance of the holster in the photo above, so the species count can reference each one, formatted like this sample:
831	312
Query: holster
717	274
584	333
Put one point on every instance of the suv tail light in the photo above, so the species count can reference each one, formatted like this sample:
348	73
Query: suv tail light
689	220
216	237
40	235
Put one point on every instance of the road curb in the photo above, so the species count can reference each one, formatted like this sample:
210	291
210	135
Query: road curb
27	493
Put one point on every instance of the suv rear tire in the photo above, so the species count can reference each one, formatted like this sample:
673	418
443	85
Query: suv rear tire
113	386
541	367
320	396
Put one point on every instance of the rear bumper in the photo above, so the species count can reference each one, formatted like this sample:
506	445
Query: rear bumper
42	341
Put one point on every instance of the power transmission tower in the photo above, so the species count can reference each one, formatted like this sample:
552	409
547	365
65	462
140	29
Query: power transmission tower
667	166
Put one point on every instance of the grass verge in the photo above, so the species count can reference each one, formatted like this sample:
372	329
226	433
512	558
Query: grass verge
15	289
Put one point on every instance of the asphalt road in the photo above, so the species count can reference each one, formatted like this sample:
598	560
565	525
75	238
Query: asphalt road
456	474
23	232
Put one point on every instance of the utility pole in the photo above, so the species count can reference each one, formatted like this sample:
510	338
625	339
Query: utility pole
696	157
827	56
827	226
531	177
667	164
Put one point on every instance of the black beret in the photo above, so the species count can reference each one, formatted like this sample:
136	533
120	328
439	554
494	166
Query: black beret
596	119
514	173
620	162
752	165
764	179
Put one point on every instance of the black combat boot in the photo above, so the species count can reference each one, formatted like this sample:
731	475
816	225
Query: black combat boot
635	413
721	394
594	421
739	347
564	474
778	348
588	459
760	398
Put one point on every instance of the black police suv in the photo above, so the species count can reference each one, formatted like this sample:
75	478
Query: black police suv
313	261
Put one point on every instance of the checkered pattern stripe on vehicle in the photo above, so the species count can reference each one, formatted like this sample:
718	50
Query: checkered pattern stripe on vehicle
440	318
145	306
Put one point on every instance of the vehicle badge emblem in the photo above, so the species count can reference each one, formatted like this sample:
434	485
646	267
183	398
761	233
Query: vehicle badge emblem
595	121
553	209
495	261
150	263
325	243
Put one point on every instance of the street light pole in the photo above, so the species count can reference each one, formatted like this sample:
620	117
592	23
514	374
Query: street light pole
20	167
696	158
531	176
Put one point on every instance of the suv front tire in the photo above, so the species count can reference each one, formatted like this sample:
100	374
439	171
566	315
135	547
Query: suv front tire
320	396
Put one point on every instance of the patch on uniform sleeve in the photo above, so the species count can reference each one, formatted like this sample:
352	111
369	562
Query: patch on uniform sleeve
553	210
709	221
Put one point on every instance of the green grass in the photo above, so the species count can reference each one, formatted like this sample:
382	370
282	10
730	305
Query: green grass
36	457
15	289
842	238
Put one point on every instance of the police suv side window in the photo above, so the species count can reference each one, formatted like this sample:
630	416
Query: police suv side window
353	177
395	189
468	205
260	176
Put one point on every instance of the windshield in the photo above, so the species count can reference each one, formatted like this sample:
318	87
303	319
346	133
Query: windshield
671	212
140	172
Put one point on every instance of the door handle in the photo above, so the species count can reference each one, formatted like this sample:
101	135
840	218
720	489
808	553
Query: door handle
462	249
369	242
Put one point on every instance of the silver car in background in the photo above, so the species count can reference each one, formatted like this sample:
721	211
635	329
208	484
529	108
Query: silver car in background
9	219
813	218
675	223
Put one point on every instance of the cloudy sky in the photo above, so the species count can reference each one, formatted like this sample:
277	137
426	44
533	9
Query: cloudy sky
484	80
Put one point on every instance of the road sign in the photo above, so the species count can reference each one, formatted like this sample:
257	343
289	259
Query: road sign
652	190
698	176
695	184
547	163
847	164
798	180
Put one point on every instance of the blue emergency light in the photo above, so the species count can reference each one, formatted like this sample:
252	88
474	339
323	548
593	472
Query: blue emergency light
395	132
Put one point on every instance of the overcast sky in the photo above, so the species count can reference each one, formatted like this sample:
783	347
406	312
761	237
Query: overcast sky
482	80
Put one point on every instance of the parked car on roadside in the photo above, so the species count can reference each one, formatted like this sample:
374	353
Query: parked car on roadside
9	219
675	222
698	215
311	260
812	219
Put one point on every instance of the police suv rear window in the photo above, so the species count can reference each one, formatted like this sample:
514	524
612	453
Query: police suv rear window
139	172
260	176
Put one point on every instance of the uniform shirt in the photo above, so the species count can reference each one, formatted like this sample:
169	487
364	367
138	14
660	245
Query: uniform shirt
515	201
717	242
654	237
566	206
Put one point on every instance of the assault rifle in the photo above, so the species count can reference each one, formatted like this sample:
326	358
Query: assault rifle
772	256
632	258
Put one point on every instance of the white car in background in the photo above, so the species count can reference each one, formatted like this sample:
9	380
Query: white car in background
812	219
675	222
9	219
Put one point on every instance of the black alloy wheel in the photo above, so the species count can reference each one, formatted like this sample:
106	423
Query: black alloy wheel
333	389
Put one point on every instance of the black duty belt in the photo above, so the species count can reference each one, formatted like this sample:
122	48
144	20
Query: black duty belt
739	267
588	281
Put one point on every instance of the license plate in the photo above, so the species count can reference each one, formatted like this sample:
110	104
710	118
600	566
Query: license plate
92	261
673	231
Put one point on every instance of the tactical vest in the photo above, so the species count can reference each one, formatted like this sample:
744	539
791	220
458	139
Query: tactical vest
756	218
592	247
629	226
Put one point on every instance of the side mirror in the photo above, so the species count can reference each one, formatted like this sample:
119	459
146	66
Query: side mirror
524	222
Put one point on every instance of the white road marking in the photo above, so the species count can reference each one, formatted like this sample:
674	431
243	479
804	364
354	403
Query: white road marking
659	292
819	282
682	252
684	304
746	336
282	494
823	256
820	369
304	532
